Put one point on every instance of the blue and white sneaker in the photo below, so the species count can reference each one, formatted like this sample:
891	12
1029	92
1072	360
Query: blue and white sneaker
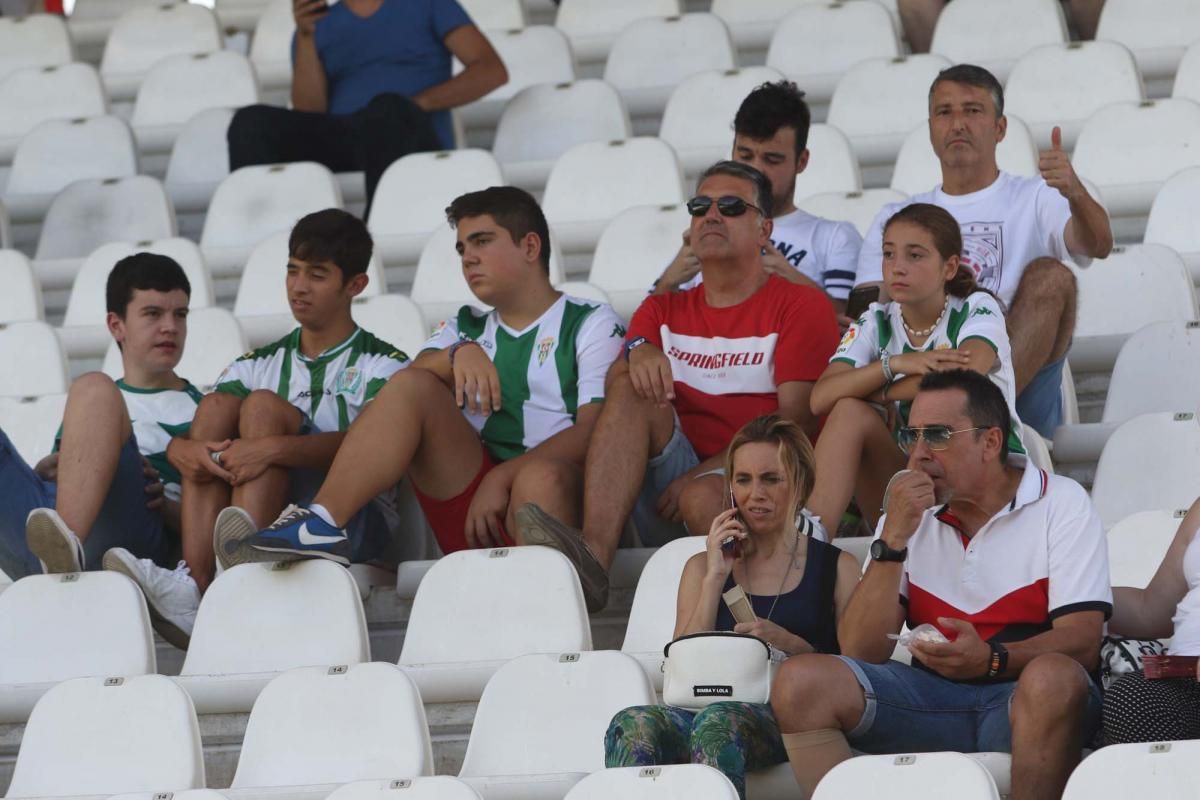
297	534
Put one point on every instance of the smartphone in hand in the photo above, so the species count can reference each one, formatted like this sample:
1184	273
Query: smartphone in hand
733	543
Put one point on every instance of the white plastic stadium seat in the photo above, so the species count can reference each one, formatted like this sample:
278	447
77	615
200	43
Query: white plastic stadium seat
606	168
32	423
1157	33
271	46
334	724
537	54
593	25
144	35
832	165
995	35
878	102
634	249
1172	217
411	198
90	213
107	735
215	339
429	787
1152	461
394	318
1108	312
908	777
753	24
475	610
584	291
58	152
35	94
918	169
181	86
5	228
818	42
21	300
1164	770
262	305
561	704
857	208
541	122
199	160
306	613
83	331
39	40
697	117
652	615
1138	543
1087	77
678	782
239	14
1130	149
33	359
56	627
489	15
651	56
1187	78
255	202
91	21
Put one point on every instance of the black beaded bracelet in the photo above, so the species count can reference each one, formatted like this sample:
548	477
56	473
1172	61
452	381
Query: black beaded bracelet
454	348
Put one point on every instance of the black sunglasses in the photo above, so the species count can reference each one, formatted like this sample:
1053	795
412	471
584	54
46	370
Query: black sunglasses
727	205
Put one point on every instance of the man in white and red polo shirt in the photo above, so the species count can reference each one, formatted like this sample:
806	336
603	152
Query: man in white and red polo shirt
1009	564
697	366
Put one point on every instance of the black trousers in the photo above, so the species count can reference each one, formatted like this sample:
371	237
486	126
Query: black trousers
370	139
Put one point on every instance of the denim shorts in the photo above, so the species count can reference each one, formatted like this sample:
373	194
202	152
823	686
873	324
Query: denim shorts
675	459
911	710
1040	406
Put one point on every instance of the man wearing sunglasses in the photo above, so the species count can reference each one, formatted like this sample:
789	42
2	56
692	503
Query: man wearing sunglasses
1009	564
770	133
697	365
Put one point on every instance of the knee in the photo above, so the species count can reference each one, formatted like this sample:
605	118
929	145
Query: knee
810	693
547	477
93	386
413	385
264	413
851	413
1048	275
216	416
1051	686
703	495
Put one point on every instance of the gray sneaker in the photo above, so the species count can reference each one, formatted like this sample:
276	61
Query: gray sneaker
535	526
49	538
172	596
233	527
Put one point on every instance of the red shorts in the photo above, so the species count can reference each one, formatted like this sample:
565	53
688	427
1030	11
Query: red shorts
448	518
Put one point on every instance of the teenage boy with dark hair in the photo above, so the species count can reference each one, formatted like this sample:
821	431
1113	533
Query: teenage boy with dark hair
496	412
770	133
272	426
108	482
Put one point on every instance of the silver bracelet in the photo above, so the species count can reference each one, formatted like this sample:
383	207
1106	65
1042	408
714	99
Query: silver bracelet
885	359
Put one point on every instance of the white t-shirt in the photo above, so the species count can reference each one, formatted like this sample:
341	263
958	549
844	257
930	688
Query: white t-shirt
824	250
1004	227
1186	639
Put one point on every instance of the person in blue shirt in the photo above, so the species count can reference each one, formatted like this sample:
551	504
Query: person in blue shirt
371	82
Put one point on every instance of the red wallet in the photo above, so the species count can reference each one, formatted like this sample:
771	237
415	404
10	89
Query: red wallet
1170	666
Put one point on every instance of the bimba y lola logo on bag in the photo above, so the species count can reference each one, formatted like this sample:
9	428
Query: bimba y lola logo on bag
712	691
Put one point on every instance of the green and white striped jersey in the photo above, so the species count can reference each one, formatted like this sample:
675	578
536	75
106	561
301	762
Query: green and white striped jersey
546	371
330	389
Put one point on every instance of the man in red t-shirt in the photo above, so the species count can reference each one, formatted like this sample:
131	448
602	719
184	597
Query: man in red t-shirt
697	366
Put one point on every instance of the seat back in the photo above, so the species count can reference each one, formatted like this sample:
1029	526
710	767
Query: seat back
255	202
652	615
144	35
33	95
1172	217
817	42
1164	291
659	52
995	35
591	26
33	359
271	45
478	605
637	245
918	169
1158	369
181	86
908	777
492	15
1152	461
199	159
531	55
677	782
857	208
1154	769
1187	77
395	318
398	208
561	704
216	339
60	151
1138	543
543	121
31	423
697	114
605	167
832	165
21	300
318	725
1157	33
103	736
90	213
38	40
430	787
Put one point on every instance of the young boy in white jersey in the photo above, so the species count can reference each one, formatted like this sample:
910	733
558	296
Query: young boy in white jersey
770	133
496	411
107	483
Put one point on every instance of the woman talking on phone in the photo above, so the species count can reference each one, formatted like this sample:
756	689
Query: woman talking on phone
796	585
937	320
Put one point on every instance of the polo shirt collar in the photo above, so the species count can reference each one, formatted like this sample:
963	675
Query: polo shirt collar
1033	485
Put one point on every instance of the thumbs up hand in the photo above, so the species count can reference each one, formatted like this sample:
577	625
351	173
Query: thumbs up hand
1056	169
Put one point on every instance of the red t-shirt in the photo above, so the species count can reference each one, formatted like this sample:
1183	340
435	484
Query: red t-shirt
728	362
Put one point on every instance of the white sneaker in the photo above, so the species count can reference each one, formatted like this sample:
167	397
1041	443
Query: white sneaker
171	595
49	538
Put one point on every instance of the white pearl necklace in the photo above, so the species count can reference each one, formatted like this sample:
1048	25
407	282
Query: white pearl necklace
932	327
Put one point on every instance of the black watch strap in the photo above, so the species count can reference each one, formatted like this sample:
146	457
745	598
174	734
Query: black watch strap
881	551
998	663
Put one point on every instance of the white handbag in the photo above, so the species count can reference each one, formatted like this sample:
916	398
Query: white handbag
705	668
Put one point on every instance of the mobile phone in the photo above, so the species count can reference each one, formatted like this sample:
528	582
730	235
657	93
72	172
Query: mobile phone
731	542
860	298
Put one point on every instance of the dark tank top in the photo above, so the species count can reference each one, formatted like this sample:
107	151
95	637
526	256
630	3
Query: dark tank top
806	611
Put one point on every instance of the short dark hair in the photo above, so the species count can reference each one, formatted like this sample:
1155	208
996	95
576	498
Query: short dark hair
985	406
972	75
514	209
770	107
332	236
145	271
736	169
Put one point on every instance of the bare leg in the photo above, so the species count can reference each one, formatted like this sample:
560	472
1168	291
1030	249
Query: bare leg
555	486
702	500
1085	16
264	413
1042	318
815	694
95	428
919	17
216	420
385	443
1047	736
855	457
627	433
